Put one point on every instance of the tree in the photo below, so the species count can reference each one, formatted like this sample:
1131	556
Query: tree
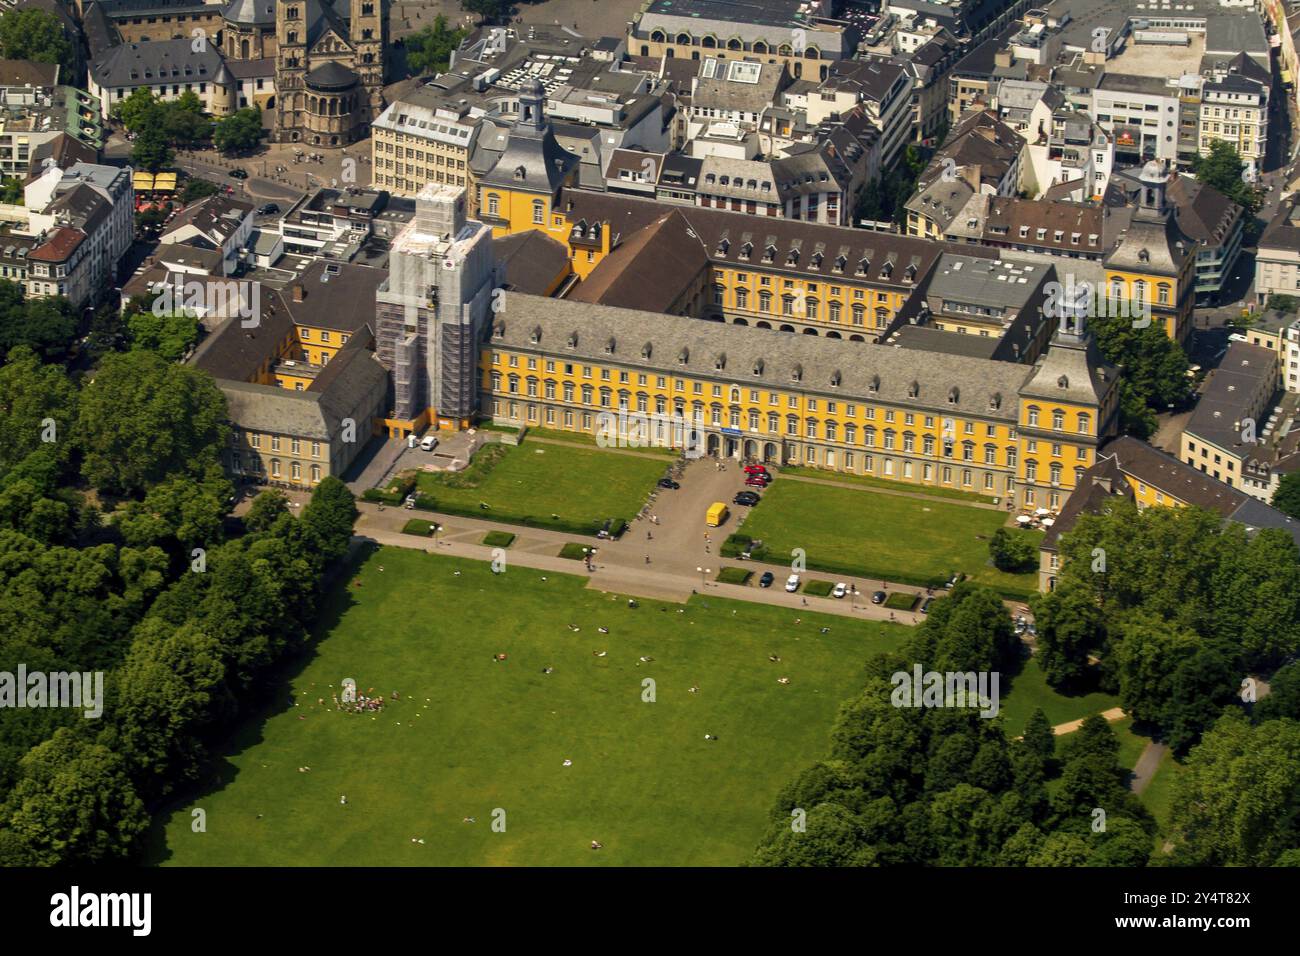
1222	170
196	189
238	132
1013	550
486	10
1237	802
32	397
184	126
1283	698
1039	737
152	150
144	420
11	190
171	336
1147	652
139	110
1155	369
266	510
33	34
1287	497
429	50
328	518
1069	628
48	326
75	803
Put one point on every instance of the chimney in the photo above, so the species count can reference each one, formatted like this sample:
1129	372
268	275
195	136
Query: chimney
299	293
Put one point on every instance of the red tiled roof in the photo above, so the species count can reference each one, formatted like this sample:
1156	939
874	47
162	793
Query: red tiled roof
58	245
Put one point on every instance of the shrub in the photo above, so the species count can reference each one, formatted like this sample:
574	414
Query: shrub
734	576
419	526
573	551
498	539
1013	550
900	601
818	588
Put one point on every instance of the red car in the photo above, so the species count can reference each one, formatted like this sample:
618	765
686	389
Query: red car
758	481
755	470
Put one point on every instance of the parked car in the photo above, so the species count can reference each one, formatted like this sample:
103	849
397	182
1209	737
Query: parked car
840	590
409	502
747	498
604	529
878	597
925	605
669	484
955	580
792	583
755	470
766	580
429	442
756	481
268	209
238	174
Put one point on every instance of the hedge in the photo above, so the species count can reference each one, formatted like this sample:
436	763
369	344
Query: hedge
429	503
574	551
419	526
734	576
901	601
818	588
738	544
498	539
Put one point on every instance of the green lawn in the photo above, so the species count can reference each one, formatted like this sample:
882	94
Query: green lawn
1158	797
584	438
1029	689
471	734
583	486
855	531
871	481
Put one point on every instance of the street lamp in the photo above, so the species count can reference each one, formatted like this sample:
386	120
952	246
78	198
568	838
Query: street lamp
704	572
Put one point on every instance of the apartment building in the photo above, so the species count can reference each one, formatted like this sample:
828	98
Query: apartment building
1224	431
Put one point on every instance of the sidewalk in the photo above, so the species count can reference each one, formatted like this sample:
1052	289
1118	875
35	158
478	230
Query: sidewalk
616	570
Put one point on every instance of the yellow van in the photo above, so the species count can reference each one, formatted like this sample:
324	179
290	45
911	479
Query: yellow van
717	514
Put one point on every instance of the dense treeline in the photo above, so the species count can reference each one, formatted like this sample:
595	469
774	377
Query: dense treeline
1176	605
113	558
944	786
1168	608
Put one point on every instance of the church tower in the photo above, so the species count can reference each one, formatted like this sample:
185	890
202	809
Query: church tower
368	31
290	67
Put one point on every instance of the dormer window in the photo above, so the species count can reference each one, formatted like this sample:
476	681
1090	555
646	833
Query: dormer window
683	356
536	334
499	330
723	246
769	254
874	385
758	366
645	351
746	251
995	401
609	347
796	373
840	263
914	389
952	395
835	379
1063	381
720	361
793	258
863	266
816	261
573	340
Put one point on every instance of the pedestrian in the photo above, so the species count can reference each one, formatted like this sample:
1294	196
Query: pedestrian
647	559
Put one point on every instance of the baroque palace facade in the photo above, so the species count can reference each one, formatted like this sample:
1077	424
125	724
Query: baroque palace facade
1023	431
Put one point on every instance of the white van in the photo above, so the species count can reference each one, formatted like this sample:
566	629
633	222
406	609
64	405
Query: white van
429	443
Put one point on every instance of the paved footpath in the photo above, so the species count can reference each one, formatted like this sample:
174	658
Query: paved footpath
615	570
1147	764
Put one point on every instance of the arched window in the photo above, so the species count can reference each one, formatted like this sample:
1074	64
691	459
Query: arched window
1085	423
1033	415
539	212
1058	419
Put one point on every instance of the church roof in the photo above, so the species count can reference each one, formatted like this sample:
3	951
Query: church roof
331	76
250	12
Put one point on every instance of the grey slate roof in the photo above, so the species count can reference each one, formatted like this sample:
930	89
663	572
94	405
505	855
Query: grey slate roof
156	62
679	345
250	12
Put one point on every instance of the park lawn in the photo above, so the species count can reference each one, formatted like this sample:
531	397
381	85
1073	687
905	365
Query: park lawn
1029	689
586	438
1131	746
886	484
470	734
1158	797
855	531
583	486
